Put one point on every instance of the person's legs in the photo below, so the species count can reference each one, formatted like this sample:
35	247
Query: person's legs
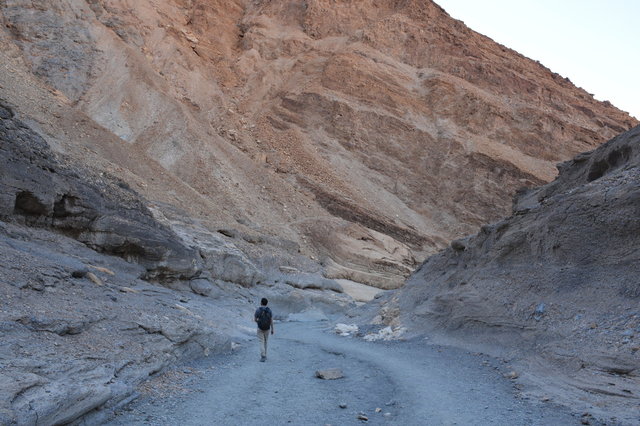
263	336
264	344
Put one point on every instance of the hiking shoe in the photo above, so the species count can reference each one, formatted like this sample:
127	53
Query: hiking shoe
263	358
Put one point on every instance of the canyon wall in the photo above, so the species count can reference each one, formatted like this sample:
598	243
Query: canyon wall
366	134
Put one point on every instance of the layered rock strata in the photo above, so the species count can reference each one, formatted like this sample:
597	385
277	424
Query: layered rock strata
299	119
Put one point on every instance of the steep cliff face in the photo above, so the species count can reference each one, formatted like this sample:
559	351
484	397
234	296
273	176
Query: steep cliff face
367	133
557	281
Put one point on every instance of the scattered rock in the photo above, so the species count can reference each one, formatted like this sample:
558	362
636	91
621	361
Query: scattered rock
79	273
201	286
539	312
94	278
342	405
387	333
103	270
363	417
288	269
512	375
58	326
330	374
231	233
586	418
458	245
346	330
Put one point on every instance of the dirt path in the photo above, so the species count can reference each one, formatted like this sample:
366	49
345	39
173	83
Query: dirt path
411	382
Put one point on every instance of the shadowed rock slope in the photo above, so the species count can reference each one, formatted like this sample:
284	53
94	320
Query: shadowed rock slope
556	284
83	320
367	133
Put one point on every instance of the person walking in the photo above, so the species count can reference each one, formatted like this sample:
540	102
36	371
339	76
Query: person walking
264	318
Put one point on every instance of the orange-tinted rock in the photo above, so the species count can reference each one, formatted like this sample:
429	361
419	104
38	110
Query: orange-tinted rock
298	118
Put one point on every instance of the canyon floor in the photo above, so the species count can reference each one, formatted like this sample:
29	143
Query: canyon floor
401	382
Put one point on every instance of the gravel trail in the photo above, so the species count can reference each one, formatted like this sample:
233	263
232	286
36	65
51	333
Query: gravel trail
411	383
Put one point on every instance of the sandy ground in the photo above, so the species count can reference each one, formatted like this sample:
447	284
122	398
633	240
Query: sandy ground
400	383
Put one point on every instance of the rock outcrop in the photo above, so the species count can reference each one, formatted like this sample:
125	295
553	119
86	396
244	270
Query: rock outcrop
301	119
40	188
558	280
72	344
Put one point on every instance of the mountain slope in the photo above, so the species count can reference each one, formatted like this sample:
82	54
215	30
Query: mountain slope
368	133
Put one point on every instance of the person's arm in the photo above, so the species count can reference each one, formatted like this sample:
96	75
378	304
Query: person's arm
273	330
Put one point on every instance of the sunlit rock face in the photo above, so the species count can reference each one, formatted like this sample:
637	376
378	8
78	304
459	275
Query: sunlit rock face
364	134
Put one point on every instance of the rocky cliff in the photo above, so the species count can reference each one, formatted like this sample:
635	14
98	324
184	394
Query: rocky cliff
556	284
367	134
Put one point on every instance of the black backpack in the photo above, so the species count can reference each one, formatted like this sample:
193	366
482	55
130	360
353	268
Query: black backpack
264	318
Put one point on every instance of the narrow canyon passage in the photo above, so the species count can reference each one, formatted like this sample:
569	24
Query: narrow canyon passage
403	383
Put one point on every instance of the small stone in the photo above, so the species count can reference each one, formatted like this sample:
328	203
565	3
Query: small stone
363	417
79	273
329	374
97	281
545	399
387	414
201	286
342	405
458	245
511	375
378	410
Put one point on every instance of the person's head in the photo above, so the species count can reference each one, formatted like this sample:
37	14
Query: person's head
264	301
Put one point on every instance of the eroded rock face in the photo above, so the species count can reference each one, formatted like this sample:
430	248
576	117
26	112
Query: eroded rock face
295	117
556	280
40	188
72	344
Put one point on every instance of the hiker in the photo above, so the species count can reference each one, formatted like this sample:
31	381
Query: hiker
264	318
